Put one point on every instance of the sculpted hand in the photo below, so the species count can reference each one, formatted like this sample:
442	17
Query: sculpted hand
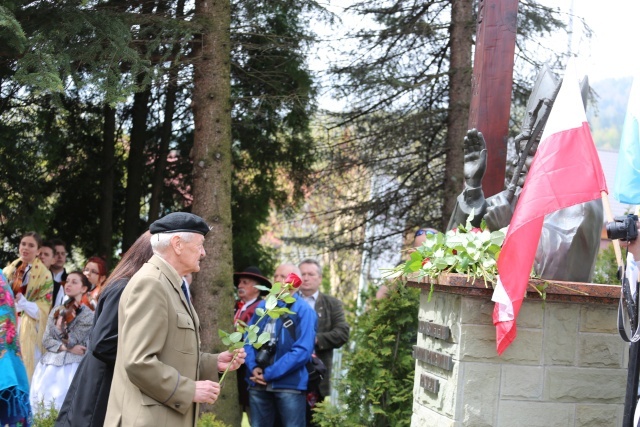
78	349
225	358
206	392
475	158
500	212
258	377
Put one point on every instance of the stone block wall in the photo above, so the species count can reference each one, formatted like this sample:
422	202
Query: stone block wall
567	366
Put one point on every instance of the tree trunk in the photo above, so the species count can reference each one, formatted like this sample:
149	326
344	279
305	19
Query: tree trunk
462	29
212	162
135	167
108	181
157	183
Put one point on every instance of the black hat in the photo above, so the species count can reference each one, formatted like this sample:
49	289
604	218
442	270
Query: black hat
176	222
253	273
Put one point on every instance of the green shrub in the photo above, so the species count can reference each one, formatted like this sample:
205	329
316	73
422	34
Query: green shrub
378	387
606	267
44	415
207	419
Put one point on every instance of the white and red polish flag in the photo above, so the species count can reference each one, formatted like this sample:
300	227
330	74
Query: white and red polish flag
565	171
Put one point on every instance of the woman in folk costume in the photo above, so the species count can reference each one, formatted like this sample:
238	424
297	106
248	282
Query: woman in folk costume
32	285
248	298
14	384
96	271
88	395
65	339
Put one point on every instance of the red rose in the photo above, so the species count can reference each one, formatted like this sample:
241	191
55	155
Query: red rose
454	252
476	230
294	280
426	260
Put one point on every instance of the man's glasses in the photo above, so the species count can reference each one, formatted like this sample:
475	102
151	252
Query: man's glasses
423	231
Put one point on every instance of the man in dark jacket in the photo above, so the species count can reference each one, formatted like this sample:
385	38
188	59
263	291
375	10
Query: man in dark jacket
333	329
59	251
277	373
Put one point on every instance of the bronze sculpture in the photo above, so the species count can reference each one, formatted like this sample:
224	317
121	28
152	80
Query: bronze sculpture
570	238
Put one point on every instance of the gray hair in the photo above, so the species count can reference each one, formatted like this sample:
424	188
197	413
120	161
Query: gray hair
161	241
295	268
314	262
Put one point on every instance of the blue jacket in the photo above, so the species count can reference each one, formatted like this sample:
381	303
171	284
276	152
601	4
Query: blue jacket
288	370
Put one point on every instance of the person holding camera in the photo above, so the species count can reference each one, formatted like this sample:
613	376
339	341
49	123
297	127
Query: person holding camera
277	373
248	299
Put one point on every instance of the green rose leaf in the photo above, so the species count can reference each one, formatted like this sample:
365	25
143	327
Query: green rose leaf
271	302
263	338
415	256
497	237
235	337
276	287
413	266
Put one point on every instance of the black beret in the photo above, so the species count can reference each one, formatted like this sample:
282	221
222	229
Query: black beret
176	222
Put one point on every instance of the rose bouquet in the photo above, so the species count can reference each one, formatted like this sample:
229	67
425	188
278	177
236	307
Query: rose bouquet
465	250
246	334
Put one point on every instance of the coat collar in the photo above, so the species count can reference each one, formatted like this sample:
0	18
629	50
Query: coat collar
174	278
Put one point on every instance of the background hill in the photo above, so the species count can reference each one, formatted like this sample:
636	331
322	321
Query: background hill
607	116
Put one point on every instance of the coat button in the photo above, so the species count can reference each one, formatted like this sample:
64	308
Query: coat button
177	405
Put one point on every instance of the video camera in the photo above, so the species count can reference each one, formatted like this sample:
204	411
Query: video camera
623	228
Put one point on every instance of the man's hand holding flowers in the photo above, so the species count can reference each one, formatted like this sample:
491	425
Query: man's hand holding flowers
231	360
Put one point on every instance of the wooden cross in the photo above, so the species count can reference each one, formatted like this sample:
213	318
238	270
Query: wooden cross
491	85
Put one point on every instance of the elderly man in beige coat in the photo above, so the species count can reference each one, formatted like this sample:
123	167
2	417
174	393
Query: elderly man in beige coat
160	375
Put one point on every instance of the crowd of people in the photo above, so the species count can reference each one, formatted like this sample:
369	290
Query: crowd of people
48	315
61	335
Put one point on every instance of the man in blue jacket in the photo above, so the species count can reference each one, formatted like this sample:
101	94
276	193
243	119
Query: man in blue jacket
277	373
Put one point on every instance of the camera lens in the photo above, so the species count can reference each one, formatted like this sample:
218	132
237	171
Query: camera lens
623	228
616	230
263	356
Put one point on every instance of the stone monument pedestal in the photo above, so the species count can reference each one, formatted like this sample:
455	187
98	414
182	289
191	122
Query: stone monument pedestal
567	366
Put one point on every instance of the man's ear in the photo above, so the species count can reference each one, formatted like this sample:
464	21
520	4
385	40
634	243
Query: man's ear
176	244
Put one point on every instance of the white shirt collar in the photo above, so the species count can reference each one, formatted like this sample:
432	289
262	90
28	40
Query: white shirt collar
247	304
311	299
313	296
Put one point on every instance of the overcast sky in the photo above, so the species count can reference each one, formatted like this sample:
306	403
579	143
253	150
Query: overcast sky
613	48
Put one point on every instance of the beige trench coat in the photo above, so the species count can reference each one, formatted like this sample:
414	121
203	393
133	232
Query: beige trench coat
159	356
